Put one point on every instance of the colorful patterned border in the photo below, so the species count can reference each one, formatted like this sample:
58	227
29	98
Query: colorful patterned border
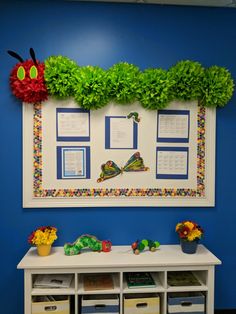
39	191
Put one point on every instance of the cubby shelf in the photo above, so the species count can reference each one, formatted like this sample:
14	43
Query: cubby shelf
119	261
52	291
115	290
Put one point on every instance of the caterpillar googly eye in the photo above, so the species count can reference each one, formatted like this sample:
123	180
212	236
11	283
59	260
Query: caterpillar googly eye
21	73
33	72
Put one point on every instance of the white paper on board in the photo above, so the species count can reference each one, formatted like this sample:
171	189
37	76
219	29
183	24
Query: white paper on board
121	133
172	162
173	126
73	163
73	124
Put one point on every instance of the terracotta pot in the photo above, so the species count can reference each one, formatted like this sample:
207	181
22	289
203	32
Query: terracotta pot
189	247
44	249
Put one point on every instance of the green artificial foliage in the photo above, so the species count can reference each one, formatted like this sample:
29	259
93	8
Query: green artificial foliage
91	90
60	75
218	87
187	76
154	89
123	80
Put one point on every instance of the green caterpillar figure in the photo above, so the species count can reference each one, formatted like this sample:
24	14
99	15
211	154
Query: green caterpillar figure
139	246
87	241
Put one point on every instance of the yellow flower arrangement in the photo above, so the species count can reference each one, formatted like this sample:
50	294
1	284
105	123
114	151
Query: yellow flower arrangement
43	235
189	230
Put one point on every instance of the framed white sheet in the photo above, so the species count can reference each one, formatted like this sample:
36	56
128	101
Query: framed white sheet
159	170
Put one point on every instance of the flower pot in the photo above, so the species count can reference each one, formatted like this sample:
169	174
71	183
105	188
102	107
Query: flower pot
44	249
189	247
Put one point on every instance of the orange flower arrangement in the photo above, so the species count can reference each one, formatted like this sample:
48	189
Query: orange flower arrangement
189	230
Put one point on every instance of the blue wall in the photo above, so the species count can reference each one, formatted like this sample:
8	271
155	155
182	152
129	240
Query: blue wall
103	34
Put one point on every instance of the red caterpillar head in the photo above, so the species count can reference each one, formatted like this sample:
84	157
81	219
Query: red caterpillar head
135	245
106	246
27	79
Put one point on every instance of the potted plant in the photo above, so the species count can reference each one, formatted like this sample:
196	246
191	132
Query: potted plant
189	233
43	237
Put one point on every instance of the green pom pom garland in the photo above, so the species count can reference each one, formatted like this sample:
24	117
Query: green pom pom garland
123	79
60	76
187	77
91	90
154	90
218	87
93	87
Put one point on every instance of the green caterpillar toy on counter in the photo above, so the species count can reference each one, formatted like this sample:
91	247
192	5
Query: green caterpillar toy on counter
139	246
87	241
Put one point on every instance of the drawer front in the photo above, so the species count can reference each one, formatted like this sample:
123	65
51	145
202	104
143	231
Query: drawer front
194	304
193	309
50	307
142	306
100	308
100	304
185	301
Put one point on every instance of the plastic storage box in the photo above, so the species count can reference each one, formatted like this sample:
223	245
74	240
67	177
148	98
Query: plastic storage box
143	303
186	302
93	304
51	304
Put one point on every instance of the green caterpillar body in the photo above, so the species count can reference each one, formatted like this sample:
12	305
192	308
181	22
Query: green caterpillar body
87	241
139	246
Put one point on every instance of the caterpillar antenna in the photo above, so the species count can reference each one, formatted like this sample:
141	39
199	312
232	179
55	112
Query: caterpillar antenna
15	55
32	54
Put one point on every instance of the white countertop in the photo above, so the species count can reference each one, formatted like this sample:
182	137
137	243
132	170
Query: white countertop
120	256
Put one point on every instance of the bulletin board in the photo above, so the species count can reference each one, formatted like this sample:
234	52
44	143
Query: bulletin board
118	155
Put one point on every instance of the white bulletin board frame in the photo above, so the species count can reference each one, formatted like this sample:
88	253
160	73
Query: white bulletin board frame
39	193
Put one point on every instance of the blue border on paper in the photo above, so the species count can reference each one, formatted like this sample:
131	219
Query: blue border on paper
60	162
172	176
72	138
108	133
169	139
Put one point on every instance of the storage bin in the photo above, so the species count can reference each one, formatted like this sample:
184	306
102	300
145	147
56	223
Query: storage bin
51	304
93	304
186	302
144	303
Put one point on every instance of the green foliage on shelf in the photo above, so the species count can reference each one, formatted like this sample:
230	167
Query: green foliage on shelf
60	75
93	87
218	87
154	89
123	80
91	90
188	76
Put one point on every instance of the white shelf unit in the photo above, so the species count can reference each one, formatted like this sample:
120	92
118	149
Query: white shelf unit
120	260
